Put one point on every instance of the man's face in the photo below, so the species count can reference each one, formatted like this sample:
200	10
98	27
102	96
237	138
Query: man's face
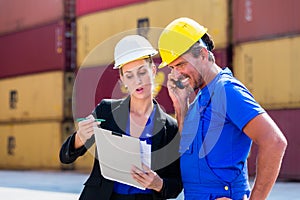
187	68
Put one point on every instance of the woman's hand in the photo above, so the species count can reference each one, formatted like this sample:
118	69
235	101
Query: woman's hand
147	178
85	131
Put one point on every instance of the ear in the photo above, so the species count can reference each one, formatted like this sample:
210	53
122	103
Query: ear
154	70
204	53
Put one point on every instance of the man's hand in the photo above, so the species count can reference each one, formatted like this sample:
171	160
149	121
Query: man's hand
180	96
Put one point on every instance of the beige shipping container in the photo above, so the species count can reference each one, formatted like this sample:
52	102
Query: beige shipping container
42	96
270	69
94	29
32	145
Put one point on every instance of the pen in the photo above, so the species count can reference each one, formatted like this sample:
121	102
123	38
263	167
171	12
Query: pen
97	120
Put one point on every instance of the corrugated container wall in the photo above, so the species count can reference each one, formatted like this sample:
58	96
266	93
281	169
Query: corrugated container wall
270	70
90	28
38	60
36	50
16	15
262	19
288	122
97	80
33	145
95	83
36	97
88	6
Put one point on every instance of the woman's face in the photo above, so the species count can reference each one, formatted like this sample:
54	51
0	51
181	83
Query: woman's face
138	77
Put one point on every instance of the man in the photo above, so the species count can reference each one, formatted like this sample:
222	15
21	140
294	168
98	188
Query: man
218	127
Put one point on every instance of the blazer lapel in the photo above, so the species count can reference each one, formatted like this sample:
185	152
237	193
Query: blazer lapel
120	114
159	129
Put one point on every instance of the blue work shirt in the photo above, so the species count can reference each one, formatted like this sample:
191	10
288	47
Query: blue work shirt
121	188
214	147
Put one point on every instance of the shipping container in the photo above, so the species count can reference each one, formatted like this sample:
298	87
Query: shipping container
43	96
37	50
92	84
258	20
223	57
288	122
89	6
270	70
100	29
18	15
32	145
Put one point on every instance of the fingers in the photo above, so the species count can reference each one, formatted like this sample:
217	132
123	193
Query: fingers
171	83
86	128
88	122
139	175
145	168
147	178
142	176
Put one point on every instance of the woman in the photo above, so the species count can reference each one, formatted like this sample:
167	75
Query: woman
137	115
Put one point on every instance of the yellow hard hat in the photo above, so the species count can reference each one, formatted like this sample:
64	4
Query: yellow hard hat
177	38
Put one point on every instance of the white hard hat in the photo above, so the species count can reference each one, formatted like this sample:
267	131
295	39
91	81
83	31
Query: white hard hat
130	48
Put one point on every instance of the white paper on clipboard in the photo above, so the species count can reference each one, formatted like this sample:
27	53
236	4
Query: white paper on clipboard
117	153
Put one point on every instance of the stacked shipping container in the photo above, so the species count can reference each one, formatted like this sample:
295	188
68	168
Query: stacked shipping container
94	50
37	54
266	46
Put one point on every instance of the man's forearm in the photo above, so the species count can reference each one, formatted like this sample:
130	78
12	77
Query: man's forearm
268	167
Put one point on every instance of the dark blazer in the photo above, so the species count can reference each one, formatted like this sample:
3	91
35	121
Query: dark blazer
165	144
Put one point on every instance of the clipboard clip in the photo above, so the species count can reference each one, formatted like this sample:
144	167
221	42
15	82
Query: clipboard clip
116	133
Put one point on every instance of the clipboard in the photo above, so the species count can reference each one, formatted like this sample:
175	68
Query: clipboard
116	155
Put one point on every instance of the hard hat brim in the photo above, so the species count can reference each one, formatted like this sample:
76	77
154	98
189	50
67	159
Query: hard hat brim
134	56
162	65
